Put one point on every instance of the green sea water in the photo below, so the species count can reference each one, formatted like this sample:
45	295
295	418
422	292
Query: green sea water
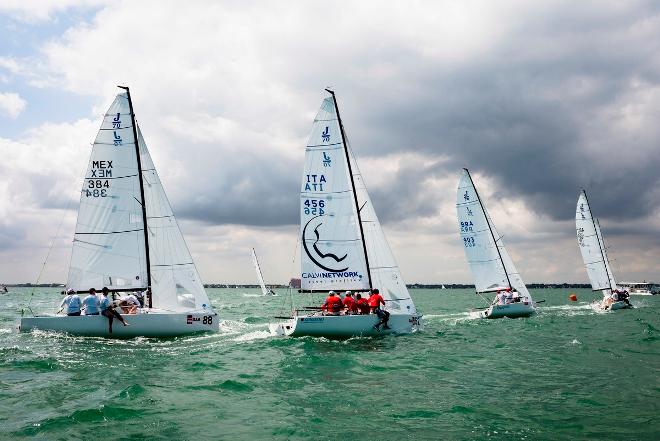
566	373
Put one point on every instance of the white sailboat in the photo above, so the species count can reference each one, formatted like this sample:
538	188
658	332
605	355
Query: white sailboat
127	239
594	256
343	245
264	289
490	263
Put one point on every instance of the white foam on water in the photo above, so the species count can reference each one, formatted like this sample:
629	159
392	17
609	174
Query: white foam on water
252	336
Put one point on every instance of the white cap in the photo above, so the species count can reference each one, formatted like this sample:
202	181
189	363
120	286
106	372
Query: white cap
70	291
332	292
348	292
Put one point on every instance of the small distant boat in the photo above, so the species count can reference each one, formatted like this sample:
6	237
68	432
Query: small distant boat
443	287
594	255
490	263
343	245
4	289
127	239
636	288
264	289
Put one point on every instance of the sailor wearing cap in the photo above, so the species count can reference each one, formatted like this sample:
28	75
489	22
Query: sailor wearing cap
71	302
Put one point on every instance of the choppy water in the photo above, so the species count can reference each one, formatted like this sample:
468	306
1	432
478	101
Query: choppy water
566	373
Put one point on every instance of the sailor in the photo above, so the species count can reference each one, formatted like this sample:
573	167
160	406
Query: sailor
91	303
72	303
361	304
508	296
623	295
332	304
107	310
515	297
500	298
349	303
140	296
130	304
375	300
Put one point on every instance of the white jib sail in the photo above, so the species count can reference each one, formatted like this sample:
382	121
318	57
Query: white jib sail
176	285
260	276
489	261
108	244
385	274
332	255
591	247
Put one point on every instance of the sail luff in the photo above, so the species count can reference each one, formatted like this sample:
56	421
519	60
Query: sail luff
606	260
143	203
350	174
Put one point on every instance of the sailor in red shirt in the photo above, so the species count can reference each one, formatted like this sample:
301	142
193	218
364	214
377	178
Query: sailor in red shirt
349	303
332	304
361	304
375	300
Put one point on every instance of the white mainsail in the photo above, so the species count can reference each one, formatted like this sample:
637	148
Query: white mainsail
489	261
592	247
109	245
260	276
333	251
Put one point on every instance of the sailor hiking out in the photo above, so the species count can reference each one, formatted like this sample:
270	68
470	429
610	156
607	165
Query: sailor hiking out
71	302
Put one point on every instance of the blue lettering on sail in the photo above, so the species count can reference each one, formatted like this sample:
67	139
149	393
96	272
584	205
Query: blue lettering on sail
117	138
116	122
326	134
466	196
315	182
327	162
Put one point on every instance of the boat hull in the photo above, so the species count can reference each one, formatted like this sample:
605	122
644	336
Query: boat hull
344	326
512	310
159	324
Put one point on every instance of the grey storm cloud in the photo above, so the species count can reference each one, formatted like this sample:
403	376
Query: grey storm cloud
514	114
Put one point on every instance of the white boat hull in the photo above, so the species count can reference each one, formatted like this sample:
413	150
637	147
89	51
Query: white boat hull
512	310
151	324
602	306
343	326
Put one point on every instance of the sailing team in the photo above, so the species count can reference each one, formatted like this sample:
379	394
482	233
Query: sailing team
93	304
335	305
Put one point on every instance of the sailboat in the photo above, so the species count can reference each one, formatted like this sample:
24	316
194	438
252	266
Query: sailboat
343	245
490	263
127	239
594	256
264	289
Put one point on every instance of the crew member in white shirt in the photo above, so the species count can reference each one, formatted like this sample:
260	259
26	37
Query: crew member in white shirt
72	303
91	303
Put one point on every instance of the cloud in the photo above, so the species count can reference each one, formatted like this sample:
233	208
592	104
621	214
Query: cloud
11	104
35	11
538	99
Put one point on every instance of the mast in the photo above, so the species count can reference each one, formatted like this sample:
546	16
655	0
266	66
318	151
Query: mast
601	245
142	203
506	273
350	173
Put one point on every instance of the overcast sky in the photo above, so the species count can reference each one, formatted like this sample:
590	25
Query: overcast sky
537	99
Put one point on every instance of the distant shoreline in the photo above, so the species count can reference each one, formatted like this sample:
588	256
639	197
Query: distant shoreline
411	285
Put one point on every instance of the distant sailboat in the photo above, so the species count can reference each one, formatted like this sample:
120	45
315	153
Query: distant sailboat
343	245
127	239
264	289
594	256
490	263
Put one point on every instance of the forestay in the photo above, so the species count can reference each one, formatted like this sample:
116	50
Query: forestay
592	247
108	245
260	276
489	261
176	284
332	255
